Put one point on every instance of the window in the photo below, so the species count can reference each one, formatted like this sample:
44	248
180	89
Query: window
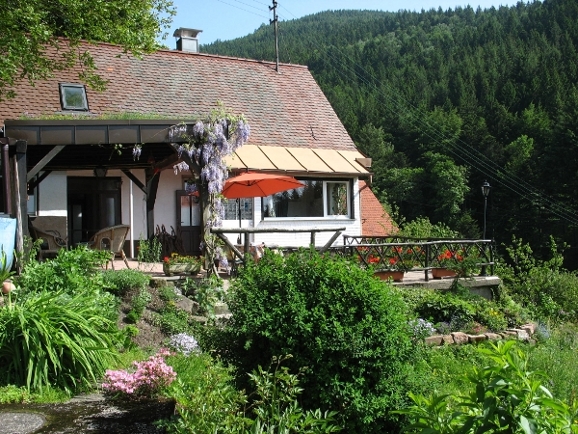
232	209
73	97
318	199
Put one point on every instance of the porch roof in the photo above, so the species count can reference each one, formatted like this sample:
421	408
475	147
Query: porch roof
99	138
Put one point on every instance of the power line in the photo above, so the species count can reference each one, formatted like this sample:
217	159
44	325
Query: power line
464	151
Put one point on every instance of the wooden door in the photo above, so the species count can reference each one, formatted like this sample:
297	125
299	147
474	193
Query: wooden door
189	222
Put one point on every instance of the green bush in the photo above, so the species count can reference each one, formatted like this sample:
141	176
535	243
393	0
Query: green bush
207	401
548	291
505	396
55	339
120	282
346	327
72	271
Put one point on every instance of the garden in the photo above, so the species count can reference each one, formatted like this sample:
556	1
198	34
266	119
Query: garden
314	344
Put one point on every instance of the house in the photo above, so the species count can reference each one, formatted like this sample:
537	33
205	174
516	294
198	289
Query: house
79	173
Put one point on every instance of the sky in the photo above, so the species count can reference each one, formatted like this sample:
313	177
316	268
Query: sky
230	19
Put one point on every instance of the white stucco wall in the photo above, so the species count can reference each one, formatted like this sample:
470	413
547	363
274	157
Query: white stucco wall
301	239
166	202
52	201
52	195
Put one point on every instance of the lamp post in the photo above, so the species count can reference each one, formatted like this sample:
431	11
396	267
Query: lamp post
485	192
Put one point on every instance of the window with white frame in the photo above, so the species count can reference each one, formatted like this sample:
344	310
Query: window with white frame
317	199
232	208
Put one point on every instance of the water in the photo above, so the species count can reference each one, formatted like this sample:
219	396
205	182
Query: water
84	415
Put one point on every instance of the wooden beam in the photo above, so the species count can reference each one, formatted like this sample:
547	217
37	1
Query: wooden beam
331	240
135	180
45	160
267	230
21	200
32	185
153	178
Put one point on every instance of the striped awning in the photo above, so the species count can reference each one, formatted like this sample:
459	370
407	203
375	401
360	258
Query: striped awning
298	160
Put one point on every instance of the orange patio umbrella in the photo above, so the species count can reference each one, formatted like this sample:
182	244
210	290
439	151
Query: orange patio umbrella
254	184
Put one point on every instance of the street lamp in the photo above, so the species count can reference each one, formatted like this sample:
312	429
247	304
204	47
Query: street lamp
485	192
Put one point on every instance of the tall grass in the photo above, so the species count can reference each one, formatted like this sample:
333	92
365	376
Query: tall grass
55	339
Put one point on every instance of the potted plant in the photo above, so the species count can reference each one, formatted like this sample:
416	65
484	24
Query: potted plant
400	261
5	273
455	263
176	264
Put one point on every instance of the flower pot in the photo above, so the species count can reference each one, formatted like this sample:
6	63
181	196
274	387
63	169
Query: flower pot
7	286
171	269
396	276
441	273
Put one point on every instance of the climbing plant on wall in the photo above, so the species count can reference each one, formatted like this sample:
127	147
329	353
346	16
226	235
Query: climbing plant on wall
203	146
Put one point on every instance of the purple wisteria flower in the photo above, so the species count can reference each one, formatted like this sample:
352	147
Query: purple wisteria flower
136	151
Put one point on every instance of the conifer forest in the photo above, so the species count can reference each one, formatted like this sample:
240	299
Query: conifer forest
443	100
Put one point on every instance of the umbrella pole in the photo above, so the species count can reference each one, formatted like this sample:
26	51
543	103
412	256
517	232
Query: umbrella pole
240	224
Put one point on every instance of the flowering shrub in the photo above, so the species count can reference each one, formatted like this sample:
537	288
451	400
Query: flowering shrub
207	143
421	328
463	263
175	258
147	381
184	344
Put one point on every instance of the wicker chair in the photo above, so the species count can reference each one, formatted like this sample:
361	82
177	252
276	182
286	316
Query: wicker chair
111	239
53	242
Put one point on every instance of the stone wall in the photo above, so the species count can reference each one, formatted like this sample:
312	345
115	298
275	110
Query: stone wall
523	333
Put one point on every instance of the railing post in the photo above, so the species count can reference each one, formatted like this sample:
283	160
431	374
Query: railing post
426	262
483	270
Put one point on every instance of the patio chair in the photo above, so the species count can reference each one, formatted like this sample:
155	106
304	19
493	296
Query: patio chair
111	239
52	241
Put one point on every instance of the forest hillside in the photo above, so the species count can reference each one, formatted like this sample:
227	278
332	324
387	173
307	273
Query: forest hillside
445	99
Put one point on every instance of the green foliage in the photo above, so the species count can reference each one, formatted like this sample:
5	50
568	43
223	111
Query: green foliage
138	303
14	394
557	354
72	270
120	282
207	292
5	270
493	90
35	25
505	396
276	409
348	328
456	310
172	320
540	285
207	401
29	252
422	228
55	339
149	250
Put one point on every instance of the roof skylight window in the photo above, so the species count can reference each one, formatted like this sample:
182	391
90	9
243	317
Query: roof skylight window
73	97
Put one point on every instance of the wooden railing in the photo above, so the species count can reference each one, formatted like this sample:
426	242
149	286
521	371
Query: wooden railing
419	254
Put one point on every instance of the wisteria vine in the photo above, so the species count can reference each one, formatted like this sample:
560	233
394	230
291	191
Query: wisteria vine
207	143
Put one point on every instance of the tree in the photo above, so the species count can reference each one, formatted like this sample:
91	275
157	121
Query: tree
33	30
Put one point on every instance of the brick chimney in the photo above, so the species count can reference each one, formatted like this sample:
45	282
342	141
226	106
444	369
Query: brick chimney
187	39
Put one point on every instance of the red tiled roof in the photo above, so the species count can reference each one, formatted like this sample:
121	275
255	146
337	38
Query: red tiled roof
375	221
283	109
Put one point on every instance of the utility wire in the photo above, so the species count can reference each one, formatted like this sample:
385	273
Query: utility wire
464	151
